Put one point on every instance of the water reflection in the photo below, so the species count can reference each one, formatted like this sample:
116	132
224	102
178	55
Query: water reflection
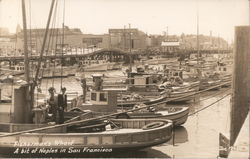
180	136
146	153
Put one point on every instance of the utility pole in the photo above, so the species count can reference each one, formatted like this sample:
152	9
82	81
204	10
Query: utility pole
211	40
124	36
167	33
218	43
130	43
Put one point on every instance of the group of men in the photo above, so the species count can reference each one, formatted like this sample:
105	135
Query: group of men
57	104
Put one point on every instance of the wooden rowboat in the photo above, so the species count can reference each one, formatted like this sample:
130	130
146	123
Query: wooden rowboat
178	115
128	134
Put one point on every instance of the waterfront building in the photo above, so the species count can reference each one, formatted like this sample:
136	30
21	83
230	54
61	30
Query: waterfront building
126	38
98	41
72	37
170	46
7	42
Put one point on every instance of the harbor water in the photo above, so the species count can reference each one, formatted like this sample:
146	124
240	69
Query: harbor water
197	138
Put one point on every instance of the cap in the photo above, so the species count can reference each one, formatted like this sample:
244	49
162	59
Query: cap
51	89
63	88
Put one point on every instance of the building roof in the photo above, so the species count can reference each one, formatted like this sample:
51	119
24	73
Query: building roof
170	43
55	31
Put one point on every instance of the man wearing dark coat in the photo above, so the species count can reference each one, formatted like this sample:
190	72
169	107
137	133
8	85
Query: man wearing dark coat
62	104
53	104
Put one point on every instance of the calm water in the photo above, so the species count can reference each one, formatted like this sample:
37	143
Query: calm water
197	138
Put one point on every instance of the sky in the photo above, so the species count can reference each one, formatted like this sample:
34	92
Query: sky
149	16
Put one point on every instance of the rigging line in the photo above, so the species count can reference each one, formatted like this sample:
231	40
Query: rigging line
37	35
50	43
57	31
209	105
30	34
43	45
51	40
215	94
62	41
56	43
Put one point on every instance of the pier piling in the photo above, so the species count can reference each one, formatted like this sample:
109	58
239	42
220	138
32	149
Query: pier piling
241	81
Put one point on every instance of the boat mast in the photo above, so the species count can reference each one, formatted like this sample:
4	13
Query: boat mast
26	58
32	89
43	45
198	42
63	36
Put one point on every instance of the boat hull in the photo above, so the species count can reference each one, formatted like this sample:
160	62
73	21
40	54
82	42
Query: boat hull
178	116
74	144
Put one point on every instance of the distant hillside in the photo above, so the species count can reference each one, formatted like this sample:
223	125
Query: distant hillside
206	42
189	41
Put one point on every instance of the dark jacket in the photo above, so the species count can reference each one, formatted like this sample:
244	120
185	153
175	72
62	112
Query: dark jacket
62	102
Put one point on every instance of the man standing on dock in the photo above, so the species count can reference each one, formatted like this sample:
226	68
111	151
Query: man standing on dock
62	104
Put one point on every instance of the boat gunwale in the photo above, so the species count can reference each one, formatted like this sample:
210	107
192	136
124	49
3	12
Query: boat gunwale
167	124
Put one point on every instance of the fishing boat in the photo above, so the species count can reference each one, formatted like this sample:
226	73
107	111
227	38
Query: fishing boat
178	115
176	96
18	69
104	101
26	131
210	81
98	65
146	91
58	72
13	70
121	135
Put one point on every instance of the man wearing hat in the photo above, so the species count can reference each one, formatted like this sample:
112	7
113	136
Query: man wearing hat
53	105
62	104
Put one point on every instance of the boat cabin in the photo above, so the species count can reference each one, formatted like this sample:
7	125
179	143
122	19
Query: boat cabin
18	68
100	100
224	68
174	73
140	81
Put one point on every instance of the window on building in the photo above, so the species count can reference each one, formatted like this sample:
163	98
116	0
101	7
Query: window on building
176	74
93	96
224	69
103	97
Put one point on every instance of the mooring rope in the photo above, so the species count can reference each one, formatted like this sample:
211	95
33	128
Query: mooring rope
209	105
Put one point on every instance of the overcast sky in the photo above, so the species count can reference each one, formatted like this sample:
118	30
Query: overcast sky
150	16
